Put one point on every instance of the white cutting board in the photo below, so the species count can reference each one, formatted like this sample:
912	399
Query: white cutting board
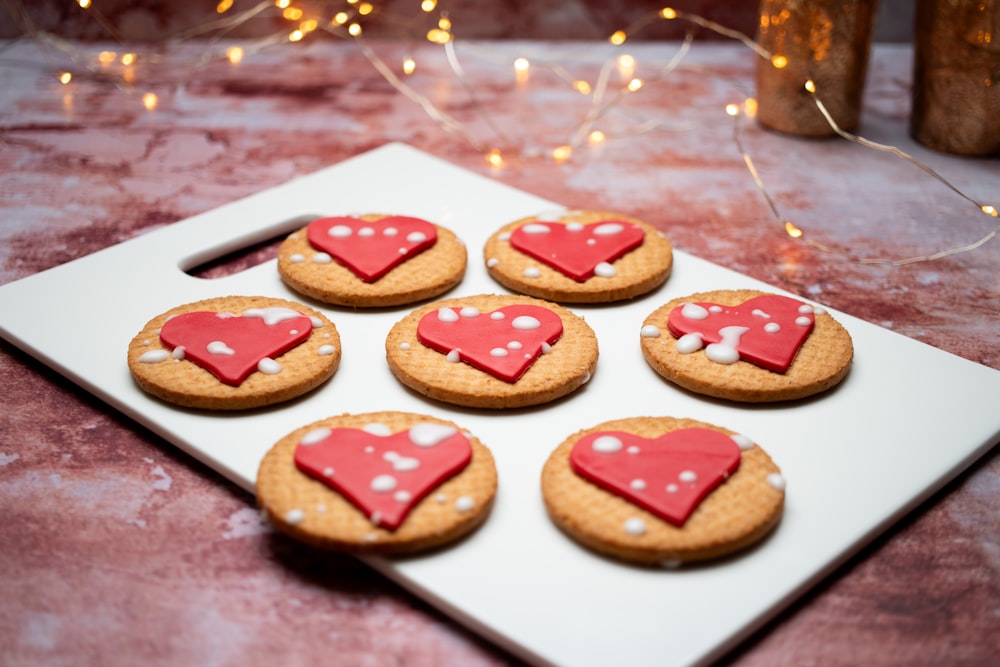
907	419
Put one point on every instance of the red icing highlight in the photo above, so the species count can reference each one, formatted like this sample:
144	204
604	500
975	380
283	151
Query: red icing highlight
491	341
668	476
249	338
370	249
384	476
773	351
575	249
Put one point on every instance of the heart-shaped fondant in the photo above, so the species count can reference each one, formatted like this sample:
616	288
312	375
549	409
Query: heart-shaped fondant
384	475
370	249
231	347
503	343
575	249
667	476
766	330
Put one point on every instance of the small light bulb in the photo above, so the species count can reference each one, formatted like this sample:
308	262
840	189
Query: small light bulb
128	58
340	18
750	107
732	109
596	137
150	100
84	4
65	77
365	8
810	86
779	62
582	86
522	64
354	30
221	8
444	23
438	36
296	36
989	210
308	25
617	37
106	57
668	13
292	13
634	85
495	158
281	4
428	5
409	65
792	230
234	54
562	153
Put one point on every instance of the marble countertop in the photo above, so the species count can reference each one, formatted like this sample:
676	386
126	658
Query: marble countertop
117	548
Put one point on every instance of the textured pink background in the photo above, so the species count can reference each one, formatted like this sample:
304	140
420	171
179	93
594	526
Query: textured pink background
115	549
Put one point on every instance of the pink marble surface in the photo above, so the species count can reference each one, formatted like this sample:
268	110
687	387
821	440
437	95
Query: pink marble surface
117	549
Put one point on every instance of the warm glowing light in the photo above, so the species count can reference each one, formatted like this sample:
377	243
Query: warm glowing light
409	65
234	54
522	65
495	158
792	230
438	36
732	109
150	100
562	153
582	86
365	8
428	5
223	6
596	137
634	85
281	4
84	4
340	18
296	36
308	25
626	60
65	77
128	58
292	13
779	62
668	13
810	86
989	210
354	30
750	107
106	57
617	37
444	23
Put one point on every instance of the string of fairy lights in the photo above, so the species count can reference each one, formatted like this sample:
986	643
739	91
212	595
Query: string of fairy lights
348	19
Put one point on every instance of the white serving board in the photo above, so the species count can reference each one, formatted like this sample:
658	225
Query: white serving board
907	419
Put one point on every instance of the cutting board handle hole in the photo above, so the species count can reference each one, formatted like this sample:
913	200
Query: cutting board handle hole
252	251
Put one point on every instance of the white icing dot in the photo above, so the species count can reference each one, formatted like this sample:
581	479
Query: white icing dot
453	356
322	258
401	463
650	331
632	449
366	232
551	216
416	237
369	450
293	332
497	315
525	323
339	231
498	352
671	563
635	526
607	444
447	315
441	498
469	311
608	229
715	309
803	321
268	366
375	518
327	472
390	231
805	309
376	428
403	496
546	348
326	350
671	488
316	324
514	345
689	343
383	483
505	236
295	516
315	436
757	312
743	442
535	228
772	327
605	270
693	311
404	346
297	258
492	261
464	504
218	347
637	484
429	434
321	508
574	226
776	481
154	356
532	272
688	476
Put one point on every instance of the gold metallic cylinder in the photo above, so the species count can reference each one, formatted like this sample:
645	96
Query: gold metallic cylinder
956	76
825	41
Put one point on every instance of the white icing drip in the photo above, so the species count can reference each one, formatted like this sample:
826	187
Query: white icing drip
608	229
635	526
383	484
218	347
268	366
317	323
154	356
401	463
453	356
546	348
743	442
315	436
605	270
525	323
272	315
326	350
607	444
689	343
693	311
447	315
725	352
776	481
377	428
757	312
429	434
650	331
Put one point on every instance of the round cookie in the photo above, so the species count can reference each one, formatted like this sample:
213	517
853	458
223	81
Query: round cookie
579	257
372	260
407	483
492	351
662	491
747	345
234	353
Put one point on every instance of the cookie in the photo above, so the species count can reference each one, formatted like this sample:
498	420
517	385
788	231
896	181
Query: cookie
579	257
377	483
371	260
662	491
492	351
234	353
746	345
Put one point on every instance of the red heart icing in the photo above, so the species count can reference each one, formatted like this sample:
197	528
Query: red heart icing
370	249
576	249
503	343
384	476
668	475
231	347
766	331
